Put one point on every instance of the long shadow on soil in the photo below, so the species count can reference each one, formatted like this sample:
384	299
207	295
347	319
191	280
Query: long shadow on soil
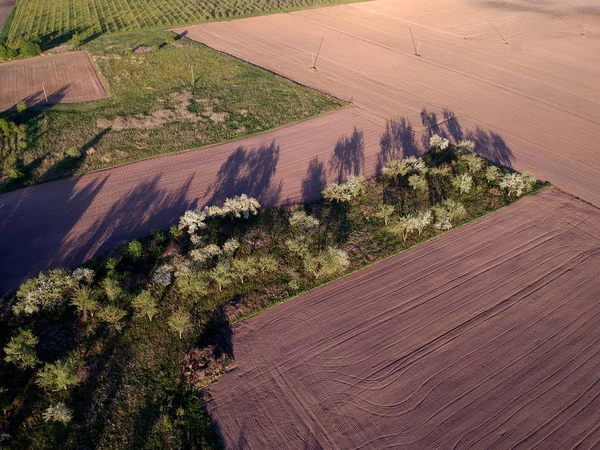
250	172
348	157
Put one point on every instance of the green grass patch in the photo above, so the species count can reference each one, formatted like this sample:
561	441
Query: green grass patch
166	95
137	382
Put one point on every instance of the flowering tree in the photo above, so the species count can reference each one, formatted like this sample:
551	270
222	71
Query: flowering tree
241	206
385	212
439	143
59	376
447	212
352	188
58	413
464	183
46	292
180	321
330	262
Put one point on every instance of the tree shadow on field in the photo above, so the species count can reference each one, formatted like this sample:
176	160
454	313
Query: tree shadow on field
315	180
452	125
250	172
492	146
397	142
348	156
431	126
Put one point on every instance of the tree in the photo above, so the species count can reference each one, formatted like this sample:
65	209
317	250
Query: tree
134	249
404	226
466	145
398	168
418	183
447	212
330	262
163	275
86	275
230	246
438	142
385	212
112	315
492	173
221	275
59	376
464	183
180	321
302	222
192	284
76	40
474	162
517	184
241	206
267	264
112	288
204	254
58	413
145	304
46	292
20	350
422	220
85	300
344	192
245	268
6	52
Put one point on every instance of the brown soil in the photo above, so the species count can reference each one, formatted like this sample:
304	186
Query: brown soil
487	337
533	104
66	78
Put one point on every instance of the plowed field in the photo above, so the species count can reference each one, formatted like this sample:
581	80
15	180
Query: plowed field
488	337
66	78
533	104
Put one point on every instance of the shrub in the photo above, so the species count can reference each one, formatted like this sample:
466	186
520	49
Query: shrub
85	300
466	145
73	152
58	413
21	106
345	192
46	292
29	48
204	254
20	350
76	40
158	236
267	264
411	223
330	262
58	376
180	321
145	304
6	52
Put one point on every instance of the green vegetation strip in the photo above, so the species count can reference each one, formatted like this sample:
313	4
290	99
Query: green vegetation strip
166	95
113	353
55	21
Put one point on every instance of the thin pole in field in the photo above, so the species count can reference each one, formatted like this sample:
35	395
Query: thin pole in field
45	95
318	51
418	48
572	26
413	40
505	41
586	27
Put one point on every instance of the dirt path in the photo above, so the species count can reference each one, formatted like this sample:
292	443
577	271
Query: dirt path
65	78
487	337
525	104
